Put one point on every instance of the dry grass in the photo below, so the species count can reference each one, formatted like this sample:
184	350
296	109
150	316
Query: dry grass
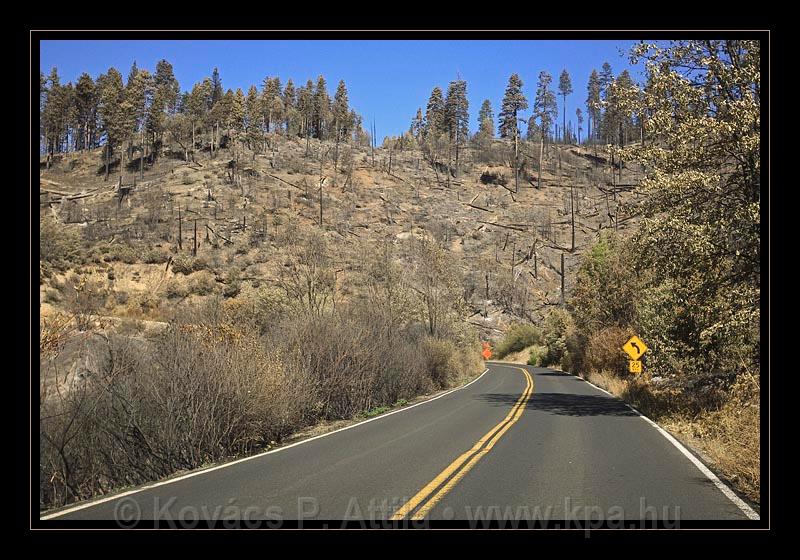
726	435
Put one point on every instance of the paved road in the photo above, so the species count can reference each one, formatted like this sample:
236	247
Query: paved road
519	442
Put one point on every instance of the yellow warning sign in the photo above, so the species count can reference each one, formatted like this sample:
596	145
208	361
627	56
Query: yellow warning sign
635	366
634	347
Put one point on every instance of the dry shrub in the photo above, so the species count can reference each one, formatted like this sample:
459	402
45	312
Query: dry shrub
604	351
440	359
202	283
192	395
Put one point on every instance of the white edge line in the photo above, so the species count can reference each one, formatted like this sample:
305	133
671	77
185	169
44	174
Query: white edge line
730	494
242	460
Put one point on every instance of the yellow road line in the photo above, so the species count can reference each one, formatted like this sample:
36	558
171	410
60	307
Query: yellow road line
467	460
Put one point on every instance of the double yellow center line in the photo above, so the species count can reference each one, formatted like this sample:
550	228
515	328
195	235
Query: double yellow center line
437	488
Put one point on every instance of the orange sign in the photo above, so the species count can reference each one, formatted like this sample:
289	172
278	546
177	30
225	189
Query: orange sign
487	353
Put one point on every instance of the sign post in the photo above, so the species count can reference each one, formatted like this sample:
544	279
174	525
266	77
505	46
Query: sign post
487	352
634	348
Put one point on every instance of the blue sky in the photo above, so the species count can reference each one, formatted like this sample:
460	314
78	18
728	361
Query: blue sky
386	80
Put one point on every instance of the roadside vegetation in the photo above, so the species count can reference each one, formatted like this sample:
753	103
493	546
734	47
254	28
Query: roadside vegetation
687	280
232	376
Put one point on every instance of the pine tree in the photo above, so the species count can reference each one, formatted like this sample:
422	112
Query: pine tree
216	87
322	109
166	92
271	104
139	95
197	107
253	117
86	110
434	114
565	89
417	125
290	111
545	106
533	133
456	115
341	111
341	118
55	113
513	102
606	80
579	117
110	95
593	105
486	120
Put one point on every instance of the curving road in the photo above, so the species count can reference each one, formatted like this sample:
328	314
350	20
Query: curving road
517	443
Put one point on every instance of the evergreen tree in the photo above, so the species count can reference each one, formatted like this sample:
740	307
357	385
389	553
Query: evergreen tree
290	113
110	95
417	124
305	106
322	109
565	89
197	107
341	112
253	117
579	117
86	111
544	106
606	77
593	104
216	87
166	93
533	133
434	114
271	104
139	96
486	120
456	114
513	102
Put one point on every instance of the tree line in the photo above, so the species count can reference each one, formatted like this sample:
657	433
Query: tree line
135	117
609	121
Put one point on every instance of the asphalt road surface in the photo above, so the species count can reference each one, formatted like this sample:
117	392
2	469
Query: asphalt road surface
517	443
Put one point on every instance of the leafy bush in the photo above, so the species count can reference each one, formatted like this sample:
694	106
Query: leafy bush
59	246
120	252
564	349
185	264
518	337
536	355
155	256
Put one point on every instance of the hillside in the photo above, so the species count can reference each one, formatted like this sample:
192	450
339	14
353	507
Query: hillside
244	217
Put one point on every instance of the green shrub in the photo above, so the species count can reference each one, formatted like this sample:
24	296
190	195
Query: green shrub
59	246
518	337
537	353
120	252
185	264
155	256
559	339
